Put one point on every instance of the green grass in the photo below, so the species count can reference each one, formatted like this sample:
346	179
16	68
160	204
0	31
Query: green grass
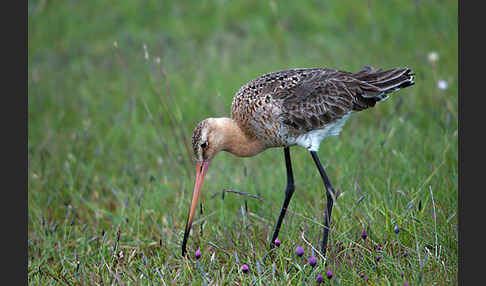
108	131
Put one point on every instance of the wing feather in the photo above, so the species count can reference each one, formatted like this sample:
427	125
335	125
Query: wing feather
325	96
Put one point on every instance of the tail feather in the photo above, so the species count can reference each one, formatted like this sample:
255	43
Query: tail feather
394	75
380	83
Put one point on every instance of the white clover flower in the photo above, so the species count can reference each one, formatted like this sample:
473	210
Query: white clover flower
442	84
433	57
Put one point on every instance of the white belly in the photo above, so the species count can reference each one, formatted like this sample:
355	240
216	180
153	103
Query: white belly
312	139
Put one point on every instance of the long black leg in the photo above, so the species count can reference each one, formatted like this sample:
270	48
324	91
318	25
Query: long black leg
289	190
330	200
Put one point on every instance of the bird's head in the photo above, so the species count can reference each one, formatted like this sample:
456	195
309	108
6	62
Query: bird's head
207	139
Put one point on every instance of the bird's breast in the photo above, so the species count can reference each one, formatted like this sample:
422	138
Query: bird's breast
260	117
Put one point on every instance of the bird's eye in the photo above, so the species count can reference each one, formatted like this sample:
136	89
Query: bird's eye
204	145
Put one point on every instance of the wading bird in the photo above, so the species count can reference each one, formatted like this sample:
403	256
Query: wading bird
286	108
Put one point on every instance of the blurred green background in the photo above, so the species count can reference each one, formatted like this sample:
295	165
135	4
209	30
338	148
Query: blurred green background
115	89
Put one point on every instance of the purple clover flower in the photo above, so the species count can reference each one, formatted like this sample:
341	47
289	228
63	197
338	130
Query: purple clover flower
396	229
198	253
364	235
312	261
277	242
319	278
299	251
329	274
244	268
378	258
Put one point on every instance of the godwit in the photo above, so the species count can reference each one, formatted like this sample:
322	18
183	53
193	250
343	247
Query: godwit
286	108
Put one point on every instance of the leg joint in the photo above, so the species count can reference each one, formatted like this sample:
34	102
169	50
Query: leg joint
290	188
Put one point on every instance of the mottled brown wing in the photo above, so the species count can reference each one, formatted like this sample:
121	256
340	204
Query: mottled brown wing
324	96
253	105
